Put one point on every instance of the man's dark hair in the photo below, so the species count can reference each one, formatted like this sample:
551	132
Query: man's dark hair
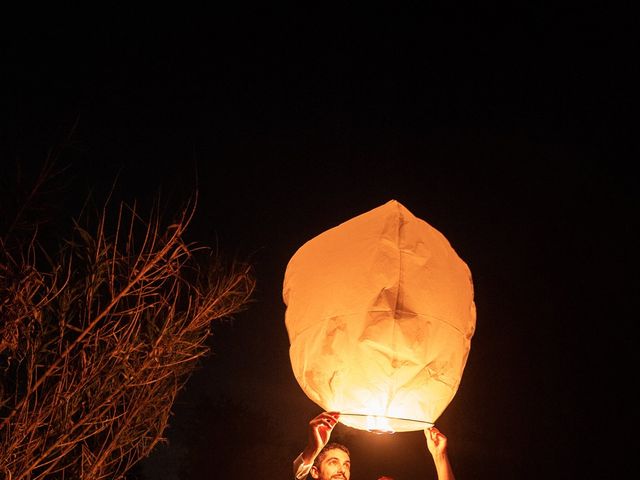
327	447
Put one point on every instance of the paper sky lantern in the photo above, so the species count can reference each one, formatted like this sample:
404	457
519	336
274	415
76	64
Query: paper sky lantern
380	316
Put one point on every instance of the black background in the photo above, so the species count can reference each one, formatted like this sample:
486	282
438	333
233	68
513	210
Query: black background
512	131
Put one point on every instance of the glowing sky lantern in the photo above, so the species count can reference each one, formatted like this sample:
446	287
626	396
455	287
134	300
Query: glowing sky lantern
380	316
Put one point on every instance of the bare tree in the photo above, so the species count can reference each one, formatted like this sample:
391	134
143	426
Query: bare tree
95	348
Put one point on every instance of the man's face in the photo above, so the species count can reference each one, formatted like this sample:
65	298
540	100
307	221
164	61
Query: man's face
335	465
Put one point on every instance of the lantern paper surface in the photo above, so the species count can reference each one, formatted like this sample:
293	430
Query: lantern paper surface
380	316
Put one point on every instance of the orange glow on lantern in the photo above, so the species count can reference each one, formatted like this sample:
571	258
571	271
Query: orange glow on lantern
380	316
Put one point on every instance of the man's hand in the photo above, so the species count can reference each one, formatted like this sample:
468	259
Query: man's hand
320	429
436	441
437	444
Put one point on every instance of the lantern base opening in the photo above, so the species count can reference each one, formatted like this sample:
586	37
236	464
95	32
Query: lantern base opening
381	424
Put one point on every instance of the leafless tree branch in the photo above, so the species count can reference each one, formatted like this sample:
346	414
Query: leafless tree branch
95	349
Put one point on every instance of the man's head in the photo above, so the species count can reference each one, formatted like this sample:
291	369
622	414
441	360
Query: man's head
332	463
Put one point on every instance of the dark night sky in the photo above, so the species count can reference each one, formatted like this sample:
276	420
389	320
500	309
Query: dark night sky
510	133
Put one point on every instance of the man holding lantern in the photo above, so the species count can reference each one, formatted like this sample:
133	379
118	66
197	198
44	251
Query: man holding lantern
326	460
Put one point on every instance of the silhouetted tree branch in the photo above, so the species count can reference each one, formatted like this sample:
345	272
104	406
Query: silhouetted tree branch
95	348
